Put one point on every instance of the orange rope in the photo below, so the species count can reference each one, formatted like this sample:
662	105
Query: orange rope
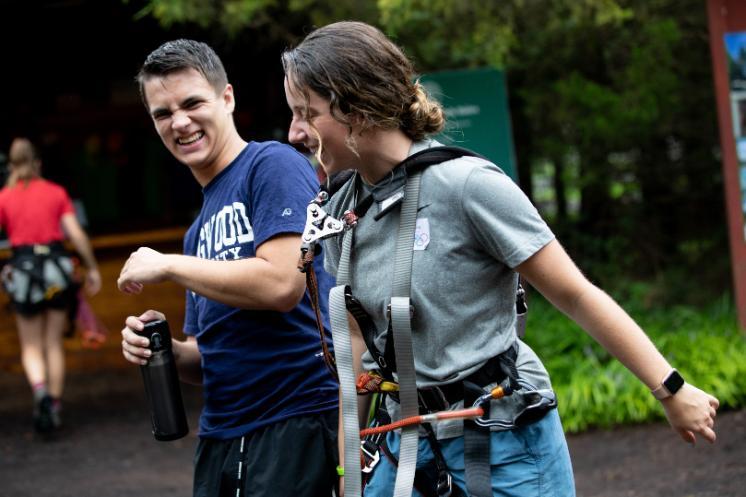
472	412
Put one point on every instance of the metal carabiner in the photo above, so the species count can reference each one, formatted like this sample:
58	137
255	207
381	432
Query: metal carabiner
483	402
540	402
319	225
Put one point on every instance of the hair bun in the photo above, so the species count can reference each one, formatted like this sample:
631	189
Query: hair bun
425	115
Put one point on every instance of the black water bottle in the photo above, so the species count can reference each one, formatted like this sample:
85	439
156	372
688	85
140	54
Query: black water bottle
162	384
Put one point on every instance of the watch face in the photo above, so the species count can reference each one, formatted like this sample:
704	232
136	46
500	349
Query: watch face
674	382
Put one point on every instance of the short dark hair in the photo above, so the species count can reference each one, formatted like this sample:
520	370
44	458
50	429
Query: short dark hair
179	55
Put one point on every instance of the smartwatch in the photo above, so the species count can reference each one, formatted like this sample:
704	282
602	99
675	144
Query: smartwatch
671	384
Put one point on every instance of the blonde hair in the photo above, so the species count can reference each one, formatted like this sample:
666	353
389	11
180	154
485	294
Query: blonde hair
24	162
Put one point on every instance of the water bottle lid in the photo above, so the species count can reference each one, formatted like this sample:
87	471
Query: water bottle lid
158	333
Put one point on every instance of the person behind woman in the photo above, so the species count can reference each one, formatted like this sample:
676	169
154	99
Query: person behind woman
36	214
355	104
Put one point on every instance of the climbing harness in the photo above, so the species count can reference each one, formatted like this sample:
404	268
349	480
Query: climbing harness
36	274
475	413
395	376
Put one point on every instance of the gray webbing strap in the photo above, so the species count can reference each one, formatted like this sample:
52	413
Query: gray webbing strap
401	326
477	461
476	450
343	354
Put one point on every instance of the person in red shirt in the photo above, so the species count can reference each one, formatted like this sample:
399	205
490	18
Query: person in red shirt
36	214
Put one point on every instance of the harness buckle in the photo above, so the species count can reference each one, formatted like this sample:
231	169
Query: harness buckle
41	250
388	311
520	301
445	485
370	455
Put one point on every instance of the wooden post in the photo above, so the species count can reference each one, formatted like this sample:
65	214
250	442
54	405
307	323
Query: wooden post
729	16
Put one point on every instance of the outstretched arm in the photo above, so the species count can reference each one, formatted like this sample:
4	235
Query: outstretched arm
79	239
553	273
269	281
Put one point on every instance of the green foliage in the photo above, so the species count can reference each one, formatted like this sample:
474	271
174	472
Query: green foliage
619	101
435	32
439	33
236	16
594	389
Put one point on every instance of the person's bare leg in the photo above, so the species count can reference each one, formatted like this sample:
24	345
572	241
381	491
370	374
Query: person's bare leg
31	337
54	329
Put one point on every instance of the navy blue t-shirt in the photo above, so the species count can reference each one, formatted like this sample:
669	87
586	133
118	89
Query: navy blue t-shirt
258	367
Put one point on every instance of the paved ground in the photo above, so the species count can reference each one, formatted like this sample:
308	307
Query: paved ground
107	450
650	460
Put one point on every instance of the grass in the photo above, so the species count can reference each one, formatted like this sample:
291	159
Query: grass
594	389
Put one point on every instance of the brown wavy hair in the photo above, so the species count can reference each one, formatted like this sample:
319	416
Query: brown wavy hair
364	74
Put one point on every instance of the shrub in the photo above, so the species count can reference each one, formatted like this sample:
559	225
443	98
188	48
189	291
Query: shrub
594	389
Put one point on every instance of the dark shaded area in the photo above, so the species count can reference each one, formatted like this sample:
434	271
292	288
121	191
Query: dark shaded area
106	450
69	85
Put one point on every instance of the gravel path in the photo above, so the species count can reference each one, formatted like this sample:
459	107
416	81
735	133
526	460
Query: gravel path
106	450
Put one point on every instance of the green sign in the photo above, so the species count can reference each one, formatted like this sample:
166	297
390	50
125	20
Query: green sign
476	105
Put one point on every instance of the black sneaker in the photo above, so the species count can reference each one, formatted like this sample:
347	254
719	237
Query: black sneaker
43	420
55	414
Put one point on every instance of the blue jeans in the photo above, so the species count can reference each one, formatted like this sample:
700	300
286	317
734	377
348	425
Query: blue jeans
530	461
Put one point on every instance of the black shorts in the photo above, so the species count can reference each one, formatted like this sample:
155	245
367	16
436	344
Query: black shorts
296	457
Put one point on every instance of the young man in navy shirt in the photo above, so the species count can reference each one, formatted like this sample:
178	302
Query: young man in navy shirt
268	426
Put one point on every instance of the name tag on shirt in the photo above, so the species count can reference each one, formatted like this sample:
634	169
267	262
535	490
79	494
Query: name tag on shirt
385	205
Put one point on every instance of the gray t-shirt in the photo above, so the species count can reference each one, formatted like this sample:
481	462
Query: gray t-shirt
473	226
